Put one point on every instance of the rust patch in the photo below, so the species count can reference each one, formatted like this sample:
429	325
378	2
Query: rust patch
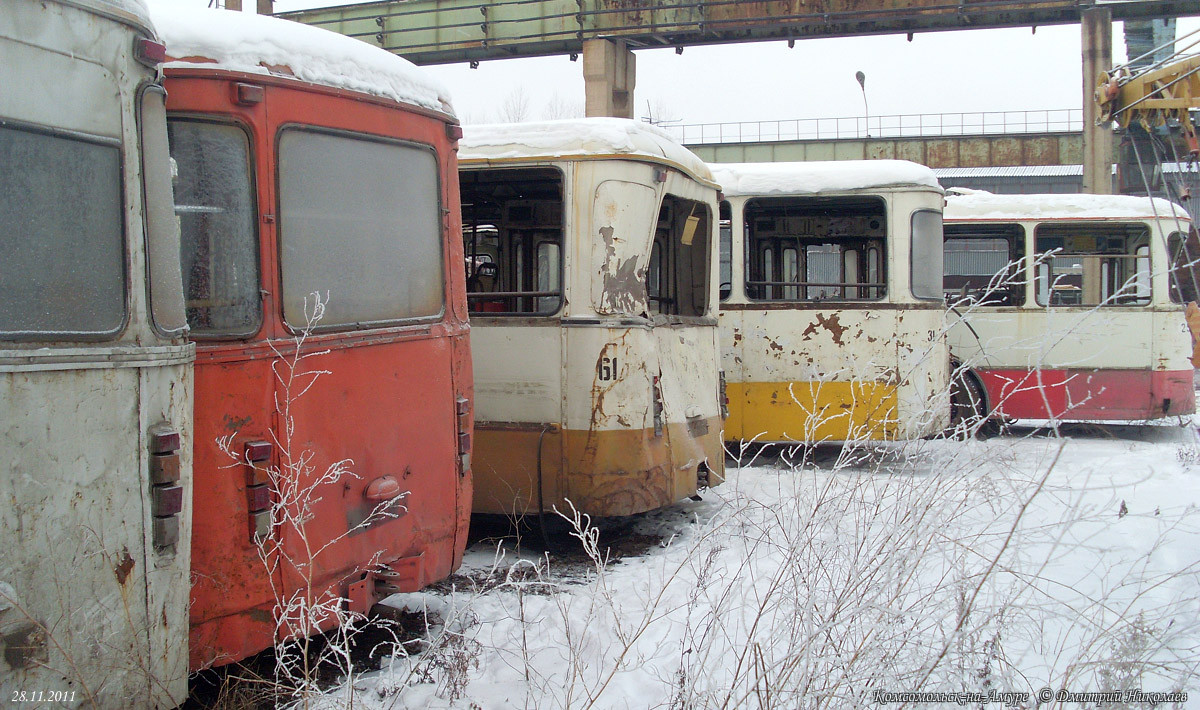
278	69
25	647
232	425
831	324
624	283
261	616
774	345
192	59
123	569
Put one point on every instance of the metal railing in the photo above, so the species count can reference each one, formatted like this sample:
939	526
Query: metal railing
919	125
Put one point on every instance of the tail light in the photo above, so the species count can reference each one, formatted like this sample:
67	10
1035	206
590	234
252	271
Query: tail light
257	456
462	411
166	495
148	52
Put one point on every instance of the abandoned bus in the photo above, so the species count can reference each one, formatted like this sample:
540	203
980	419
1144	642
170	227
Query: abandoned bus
1067	305
95	368
589	252
311	163
831	311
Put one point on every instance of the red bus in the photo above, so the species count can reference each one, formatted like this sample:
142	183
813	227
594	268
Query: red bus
308	163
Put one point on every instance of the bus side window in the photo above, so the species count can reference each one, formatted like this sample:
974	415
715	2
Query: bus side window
1093	264
680	270
983	264
214	201
726	250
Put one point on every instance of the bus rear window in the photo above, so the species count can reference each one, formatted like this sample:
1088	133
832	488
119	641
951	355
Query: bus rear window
512	239
816	249
359	220
1093	264
214	199
62	236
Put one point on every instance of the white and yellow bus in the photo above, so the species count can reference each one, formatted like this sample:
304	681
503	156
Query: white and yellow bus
589	248
1066	305
831	301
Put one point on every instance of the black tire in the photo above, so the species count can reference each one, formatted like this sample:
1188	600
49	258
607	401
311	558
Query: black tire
968	406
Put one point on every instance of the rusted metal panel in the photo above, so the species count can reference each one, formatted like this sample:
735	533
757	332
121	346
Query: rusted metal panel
1040	150
882	150
941	153
974	152
439	31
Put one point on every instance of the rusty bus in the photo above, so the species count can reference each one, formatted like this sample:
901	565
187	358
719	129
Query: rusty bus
308	163
831	304
1067	305
589	250
95	369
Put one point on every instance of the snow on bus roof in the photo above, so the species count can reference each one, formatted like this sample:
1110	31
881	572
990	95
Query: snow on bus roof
963	203
576	138
132	8
820	176
258	44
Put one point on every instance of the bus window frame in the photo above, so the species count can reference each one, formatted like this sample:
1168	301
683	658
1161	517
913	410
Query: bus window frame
862	245
1174	289
151	233
668	269
254	332
126	259
351	327
724	239
1044	259
561	292
1016	235
938	294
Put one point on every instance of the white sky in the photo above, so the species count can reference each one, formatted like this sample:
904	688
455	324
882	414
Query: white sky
937	72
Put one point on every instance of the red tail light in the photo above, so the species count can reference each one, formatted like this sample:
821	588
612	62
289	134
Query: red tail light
149	52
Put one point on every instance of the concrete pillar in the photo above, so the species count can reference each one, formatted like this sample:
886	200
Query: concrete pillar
608	78
1096	26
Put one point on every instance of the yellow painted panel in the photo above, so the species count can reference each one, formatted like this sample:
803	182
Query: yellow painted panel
811	411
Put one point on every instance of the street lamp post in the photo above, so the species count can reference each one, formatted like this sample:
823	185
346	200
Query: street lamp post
862	84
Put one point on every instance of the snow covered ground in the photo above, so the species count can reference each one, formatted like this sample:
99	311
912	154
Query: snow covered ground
1007	565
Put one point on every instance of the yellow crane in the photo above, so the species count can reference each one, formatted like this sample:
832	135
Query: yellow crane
1152	95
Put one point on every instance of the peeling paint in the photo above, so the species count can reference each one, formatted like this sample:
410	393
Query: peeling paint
829	323
123	569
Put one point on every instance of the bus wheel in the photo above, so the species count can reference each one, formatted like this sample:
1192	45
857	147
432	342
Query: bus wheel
969	413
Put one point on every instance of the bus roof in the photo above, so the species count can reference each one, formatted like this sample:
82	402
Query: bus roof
132	12
819	177
578	138
258	44
964	204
